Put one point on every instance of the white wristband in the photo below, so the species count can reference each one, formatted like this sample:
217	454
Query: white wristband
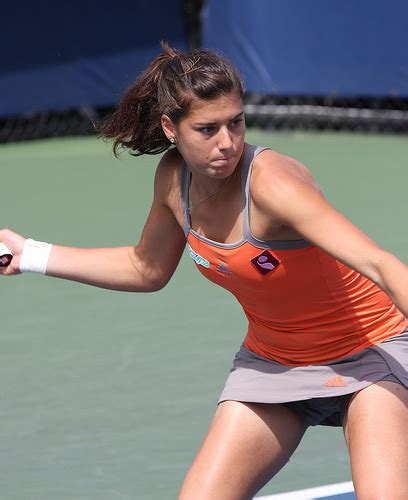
34	258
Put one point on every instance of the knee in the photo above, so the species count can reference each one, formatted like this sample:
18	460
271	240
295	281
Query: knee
198	490
195	488
380	492
209	489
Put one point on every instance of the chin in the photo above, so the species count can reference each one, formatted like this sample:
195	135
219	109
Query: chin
222	173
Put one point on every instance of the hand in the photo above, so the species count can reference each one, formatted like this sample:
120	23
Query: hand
15	243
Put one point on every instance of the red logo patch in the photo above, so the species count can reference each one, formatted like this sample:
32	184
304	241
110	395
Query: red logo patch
265	262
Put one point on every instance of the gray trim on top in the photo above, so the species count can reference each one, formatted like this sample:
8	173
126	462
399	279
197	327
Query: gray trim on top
250	153
253	152
185	184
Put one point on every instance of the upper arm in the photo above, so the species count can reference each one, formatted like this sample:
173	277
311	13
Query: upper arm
162	240
298	203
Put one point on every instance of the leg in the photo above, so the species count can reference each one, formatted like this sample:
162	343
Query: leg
376	431
245	447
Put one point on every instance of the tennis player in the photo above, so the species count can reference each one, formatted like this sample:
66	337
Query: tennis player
326	341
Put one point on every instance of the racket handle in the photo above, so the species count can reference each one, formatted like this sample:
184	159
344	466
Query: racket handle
5	255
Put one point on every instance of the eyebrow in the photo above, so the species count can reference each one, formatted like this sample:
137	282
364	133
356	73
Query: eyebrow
207	124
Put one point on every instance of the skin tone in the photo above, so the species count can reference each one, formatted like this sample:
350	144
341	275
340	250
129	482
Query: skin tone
211	141
248	443
375	427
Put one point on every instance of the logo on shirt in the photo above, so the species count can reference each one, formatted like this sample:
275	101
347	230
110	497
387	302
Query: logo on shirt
197	258
223	268
265	262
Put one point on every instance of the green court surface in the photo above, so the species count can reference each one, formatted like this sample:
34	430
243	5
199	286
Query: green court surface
106	395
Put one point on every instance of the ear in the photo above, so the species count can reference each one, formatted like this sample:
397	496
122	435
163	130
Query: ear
168	127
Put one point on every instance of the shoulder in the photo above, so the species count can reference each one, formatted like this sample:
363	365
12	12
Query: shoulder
278	181
169	165
167	185
271	166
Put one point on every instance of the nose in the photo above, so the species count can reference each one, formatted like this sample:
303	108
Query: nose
224	139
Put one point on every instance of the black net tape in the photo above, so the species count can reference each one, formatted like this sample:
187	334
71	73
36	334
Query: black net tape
273	112
327	113
57	124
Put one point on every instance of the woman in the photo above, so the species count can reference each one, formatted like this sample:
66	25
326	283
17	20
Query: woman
326	305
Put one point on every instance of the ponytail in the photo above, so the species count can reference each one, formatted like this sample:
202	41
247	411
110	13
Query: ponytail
167	86
136	122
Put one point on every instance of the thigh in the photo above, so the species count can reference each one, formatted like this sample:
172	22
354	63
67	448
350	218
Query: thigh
245	447
376	431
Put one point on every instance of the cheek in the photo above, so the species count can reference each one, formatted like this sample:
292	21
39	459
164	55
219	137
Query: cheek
197	147
195	154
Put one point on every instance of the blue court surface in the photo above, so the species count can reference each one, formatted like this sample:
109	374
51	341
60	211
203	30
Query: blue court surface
339	491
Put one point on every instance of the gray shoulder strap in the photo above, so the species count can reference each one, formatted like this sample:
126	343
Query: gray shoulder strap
250	154
185	183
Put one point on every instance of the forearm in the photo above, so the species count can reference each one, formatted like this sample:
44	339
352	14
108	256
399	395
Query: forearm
392	276
116	268
146	267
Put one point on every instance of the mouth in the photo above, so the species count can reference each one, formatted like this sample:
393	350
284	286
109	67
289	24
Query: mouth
224	158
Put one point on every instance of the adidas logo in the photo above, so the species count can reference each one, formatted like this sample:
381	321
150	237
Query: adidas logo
335	382
223	268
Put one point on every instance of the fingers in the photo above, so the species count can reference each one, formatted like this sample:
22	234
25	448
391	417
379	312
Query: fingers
6	255
11	245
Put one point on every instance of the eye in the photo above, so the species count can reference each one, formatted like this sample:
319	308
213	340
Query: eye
236	123
206	130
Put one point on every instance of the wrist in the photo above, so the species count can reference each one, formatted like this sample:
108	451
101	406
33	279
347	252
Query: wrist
35	255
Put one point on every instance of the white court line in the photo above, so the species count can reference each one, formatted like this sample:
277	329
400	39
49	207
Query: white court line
312	493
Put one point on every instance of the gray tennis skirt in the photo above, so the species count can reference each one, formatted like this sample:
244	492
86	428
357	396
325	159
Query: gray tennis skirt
319	393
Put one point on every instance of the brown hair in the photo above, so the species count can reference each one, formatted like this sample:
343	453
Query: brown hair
169	85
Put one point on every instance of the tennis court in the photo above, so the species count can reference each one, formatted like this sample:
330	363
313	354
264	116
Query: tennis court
338	491
107	395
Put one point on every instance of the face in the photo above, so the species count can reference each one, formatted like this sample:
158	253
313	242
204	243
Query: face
211	137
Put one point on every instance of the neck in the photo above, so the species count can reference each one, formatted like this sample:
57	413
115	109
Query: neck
201	192
206	186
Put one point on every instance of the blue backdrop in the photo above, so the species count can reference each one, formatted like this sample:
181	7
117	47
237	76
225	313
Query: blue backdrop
61	55
321	47
64	55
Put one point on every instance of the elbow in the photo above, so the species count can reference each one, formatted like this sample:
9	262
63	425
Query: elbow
158	281
150	285
374	274
156	286
147	277
381	267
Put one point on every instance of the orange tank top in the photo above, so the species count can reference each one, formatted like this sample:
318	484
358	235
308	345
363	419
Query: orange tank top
303	306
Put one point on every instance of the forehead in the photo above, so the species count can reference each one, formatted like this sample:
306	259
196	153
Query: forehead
214	110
